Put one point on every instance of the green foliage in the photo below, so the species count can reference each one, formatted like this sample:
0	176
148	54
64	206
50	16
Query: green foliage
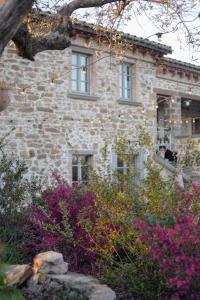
190	156
10	294
160	193
12	192
7	293
72	294
140	277
15	191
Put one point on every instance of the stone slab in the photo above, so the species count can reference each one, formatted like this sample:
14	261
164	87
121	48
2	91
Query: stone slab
17	274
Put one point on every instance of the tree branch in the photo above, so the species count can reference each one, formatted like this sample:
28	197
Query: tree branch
28	46
12	13
68	9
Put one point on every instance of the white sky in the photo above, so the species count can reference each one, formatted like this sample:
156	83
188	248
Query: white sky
144	28
141	26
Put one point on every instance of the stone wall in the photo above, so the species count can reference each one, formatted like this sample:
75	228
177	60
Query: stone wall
51	124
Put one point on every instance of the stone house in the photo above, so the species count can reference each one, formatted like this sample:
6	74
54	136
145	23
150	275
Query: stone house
67	105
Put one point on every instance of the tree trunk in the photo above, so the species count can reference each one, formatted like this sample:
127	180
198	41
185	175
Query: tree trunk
12	14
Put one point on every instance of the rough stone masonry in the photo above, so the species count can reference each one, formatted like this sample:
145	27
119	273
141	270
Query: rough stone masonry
51	123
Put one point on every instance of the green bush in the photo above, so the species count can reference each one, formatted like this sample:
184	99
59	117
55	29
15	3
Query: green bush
7	293
15	190
141	278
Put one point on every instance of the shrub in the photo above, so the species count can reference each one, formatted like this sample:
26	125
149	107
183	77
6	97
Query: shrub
54	223
108	227
7	293
14	193
176	250
140	277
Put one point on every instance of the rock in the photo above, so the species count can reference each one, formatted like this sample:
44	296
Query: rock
50	256
102	292
58	269
17	274
73	279
49	268
36	278
81	282
50	262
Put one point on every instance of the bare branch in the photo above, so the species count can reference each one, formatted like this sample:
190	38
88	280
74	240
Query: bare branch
68	9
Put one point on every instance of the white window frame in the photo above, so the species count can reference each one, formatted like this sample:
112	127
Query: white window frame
79	165
125	91
78	68
122	168
137	163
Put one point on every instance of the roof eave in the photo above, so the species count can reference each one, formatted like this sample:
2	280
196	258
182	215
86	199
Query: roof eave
140	42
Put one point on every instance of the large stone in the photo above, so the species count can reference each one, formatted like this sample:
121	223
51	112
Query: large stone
17	274
102	292
36	278
85	283
72	278
50	263
49	268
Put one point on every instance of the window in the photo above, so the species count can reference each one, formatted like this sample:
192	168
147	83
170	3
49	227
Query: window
124	166
121	166
125	81
80	73
81	167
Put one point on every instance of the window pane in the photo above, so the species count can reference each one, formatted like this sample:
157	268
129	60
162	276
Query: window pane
125	81
120	171
74	174
83	60
80	73
74	59
120	163
74	74
87	159
83	87
74	86
121	80
83	75
85	173
80	167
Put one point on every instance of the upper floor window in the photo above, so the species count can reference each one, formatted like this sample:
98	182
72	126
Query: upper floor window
125	81
81	165
80	73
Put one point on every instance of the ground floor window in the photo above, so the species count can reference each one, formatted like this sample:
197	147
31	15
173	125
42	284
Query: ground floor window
81	165
126	166
121	167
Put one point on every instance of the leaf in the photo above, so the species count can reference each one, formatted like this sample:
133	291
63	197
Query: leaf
1	280
11	294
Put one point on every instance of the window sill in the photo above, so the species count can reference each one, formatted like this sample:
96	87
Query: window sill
82	97
129	102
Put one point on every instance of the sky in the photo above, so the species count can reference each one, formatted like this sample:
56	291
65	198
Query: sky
143	27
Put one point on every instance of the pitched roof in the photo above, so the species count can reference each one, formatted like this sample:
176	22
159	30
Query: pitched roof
145	43
137	41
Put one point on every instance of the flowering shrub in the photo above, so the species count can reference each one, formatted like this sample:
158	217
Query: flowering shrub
54	223
177	252
190	200
156	257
